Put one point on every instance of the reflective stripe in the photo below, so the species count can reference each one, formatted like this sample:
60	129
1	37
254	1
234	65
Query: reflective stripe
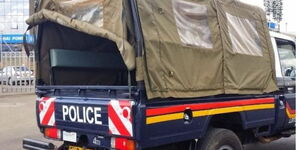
163	118
46	111
177	116
125	121
232	109
204	106
120	119
112	127
289	111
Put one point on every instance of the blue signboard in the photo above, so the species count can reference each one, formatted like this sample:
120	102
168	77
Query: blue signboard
272	25
15	38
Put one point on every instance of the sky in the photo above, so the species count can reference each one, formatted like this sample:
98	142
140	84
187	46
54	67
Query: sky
288	23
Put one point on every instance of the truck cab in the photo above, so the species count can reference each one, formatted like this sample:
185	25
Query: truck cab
285	62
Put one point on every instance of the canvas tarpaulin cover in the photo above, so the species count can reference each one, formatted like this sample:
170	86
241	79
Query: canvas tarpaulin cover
192	48
108	19
101	26
195	48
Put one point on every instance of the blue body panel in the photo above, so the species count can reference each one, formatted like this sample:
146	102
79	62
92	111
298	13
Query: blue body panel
177	130
290	99
150	135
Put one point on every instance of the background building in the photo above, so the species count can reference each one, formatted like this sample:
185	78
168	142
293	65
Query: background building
13	14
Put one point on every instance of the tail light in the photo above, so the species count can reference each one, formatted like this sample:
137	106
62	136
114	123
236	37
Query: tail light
52	133
122	144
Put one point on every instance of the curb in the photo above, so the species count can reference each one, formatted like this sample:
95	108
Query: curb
2	95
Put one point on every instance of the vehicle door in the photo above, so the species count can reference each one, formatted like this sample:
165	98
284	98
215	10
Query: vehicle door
286	76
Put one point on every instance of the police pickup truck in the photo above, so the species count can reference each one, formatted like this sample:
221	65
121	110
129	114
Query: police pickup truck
203	75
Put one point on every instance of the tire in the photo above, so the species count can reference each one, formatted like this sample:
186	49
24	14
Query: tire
219	139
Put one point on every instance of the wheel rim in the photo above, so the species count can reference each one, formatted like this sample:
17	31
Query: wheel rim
225	147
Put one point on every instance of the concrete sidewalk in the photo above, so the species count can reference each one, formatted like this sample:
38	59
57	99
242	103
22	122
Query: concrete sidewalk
17	120
6	90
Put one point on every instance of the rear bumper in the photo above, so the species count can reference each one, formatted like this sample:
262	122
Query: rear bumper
31	144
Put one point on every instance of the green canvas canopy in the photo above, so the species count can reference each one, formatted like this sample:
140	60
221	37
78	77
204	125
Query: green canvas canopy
192	48
197	48
84	25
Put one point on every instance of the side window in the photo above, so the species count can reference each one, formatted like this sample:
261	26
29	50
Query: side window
86	10
287	56
192	23
244	37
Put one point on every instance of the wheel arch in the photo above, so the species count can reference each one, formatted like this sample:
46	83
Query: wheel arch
235	122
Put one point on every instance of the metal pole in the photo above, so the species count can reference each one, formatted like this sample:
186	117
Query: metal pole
1	62
1	32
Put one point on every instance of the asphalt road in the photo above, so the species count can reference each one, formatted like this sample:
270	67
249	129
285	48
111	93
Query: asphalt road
17	121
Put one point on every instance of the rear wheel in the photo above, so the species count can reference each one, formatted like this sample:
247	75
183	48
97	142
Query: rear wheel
220	139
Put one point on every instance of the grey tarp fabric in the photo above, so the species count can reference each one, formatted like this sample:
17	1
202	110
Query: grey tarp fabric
193	48
102	18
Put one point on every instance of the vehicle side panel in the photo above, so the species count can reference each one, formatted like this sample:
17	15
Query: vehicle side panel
168	124
290	110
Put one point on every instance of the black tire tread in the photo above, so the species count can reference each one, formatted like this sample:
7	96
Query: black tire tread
215	135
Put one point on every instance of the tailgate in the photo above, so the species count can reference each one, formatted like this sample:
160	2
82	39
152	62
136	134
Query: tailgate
90	117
